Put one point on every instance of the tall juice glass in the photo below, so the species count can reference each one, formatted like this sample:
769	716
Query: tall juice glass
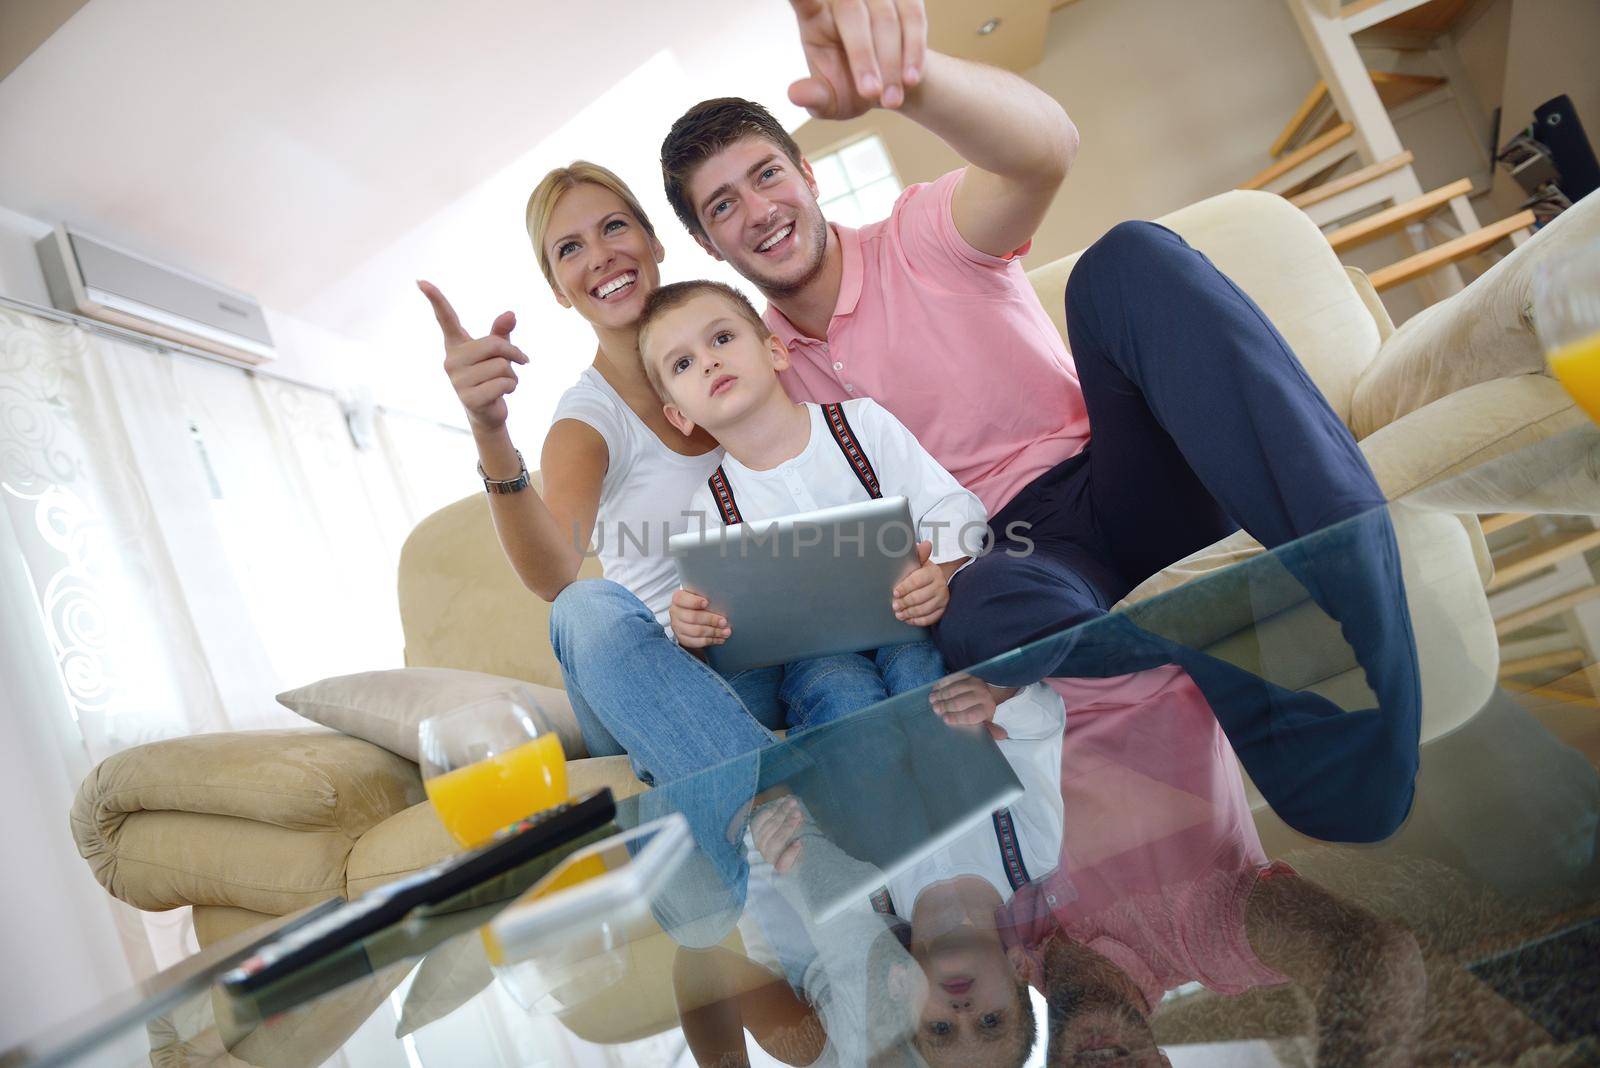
489	764
1566	312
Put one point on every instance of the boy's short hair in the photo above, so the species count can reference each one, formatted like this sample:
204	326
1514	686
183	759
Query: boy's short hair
678	294
703	131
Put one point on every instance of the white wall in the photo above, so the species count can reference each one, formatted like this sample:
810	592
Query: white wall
20	274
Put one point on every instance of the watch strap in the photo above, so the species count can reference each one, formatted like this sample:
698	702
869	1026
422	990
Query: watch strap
507	485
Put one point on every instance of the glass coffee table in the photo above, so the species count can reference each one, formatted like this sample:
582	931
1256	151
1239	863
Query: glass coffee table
1337	803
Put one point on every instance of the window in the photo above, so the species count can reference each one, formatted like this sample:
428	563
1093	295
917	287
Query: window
857	184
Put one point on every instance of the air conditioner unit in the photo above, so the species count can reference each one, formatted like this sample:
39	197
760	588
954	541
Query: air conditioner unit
94	278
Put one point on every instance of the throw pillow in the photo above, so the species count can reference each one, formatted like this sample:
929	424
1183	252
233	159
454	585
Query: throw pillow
386	707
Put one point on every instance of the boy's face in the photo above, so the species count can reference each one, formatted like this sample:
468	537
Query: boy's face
759	212
714	365
971	1016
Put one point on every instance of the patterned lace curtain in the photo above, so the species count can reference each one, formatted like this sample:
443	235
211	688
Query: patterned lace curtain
180	541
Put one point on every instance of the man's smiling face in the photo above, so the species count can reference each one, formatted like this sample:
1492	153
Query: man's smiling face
759	212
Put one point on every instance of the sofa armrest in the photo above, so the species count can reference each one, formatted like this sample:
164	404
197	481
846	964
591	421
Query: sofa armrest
261	820
1466	429
1484	332
1374	303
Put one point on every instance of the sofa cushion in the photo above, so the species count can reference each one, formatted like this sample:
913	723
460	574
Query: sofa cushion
386	707
404	843
461	604
409	841
1483	332
217	923
1466	430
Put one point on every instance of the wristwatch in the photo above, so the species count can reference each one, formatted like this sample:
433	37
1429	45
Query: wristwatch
508	485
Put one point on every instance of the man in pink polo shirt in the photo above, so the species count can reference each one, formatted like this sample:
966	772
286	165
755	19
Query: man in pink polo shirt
1202	420
1163	881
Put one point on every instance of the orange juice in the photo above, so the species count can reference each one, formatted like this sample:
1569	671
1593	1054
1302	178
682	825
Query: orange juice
579	871
475	801
1577	366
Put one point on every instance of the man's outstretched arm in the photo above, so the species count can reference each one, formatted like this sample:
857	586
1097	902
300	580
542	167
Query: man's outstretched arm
1018	141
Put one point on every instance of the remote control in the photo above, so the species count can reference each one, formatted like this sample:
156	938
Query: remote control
390	903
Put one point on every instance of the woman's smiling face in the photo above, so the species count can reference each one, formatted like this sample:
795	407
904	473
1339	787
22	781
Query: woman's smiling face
605	263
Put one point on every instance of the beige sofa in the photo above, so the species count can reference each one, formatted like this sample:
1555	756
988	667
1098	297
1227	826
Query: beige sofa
245	826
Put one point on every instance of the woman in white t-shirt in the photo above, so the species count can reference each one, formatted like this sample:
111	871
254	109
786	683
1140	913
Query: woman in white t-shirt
618	477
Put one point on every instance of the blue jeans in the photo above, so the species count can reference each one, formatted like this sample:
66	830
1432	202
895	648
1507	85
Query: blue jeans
634	691
825	688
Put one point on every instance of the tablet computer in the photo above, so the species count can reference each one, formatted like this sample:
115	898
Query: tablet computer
804	585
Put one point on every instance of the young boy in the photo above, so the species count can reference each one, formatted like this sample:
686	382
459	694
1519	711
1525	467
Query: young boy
715	364
947	982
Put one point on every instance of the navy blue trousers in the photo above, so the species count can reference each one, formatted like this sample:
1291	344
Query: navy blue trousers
1203	421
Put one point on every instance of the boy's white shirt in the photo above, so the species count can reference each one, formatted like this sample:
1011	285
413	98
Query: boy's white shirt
834	979
820	477
1035	720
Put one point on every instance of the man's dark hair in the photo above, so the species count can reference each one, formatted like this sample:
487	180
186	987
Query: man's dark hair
1027	1024
677	294
703	131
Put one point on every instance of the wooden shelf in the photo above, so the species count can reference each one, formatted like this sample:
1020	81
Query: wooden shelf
1398	217
1432	18
1493	523
1553	607
1528	665
1317	194
1415	267
1541	553
1300	155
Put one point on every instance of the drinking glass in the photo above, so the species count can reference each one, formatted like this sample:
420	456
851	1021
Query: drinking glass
1566	313
489	764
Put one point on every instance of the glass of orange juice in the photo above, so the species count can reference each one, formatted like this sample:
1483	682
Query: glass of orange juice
1566	311
489	764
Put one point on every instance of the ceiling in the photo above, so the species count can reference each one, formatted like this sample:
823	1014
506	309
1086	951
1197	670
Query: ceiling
277	145
320	156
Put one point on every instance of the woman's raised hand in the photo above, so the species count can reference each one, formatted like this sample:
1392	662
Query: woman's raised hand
480	368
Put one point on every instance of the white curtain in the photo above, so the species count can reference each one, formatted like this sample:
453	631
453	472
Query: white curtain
182	541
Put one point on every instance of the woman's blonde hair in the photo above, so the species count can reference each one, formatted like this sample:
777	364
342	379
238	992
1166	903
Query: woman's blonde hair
542	203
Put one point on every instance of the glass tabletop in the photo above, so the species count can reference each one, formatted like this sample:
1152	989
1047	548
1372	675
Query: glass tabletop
1333	803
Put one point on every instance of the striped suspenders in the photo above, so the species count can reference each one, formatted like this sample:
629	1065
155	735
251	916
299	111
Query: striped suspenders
722	493
843	436
846	440
1005	833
